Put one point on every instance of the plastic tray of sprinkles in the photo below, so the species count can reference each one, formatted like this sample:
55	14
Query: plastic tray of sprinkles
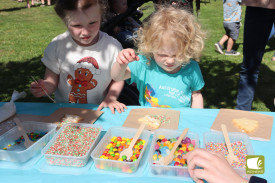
113	136
241	146
72	144
177	168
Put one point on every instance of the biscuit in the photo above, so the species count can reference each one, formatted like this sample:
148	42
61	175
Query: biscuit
69	118
245	125
150	121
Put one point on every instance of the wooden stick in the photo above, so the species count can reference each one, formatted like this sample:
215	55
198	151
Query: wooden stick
43	90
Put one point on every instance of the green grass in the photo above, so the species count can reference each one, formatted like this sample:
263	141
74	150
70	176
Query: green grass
25	33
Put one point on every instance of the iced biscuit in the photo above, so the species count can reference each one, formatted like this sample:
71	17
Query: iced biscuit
150	121
68	118
245	124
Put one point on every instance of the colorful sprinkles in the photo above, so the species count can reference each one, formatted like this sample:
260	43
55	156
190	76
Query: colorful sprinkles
238	147
74	141
162	118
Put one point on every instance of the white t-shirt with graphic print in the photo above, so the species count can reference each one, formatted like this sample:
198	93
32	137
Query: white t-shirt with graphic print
63	56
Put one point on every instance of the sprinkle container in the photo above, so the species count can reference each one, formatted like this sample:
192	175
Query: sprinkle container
16	152
170	170
240	143
72	144
116	165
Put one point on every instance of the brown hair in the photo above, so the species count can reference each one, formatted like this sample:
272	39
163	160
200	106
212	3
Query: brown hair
62	6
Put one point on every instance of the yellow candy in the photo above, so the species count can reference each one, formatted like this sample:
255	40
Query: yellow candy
183	148
155	157
120	159
115	149
143	142
116	154
159	156
161	137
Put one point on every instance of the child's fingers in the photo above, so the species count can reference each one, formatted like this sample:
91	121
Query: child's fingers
100	107
37	92
121	59
41	83
34	85
131	55
112	108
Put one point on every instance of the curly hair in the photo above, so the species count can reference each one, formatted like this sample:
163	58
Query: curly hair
62	6
175	26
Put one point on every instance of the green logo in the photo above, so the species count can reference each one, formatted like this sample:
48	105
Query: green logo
255	164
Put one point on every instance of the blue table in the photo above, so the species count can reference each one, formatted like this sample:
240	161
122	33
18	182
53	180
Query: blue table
197	120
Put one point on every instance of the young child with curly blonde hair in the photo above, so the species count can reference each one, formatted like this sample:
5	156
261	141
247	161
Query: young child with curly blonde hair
165	72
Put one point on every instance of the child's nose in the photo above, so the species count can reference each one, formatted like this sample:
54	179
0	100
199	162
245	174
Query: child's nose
85	31
170	60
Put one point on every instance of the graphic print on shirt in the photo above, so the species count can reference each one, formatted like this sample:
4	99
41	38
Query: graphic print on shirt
84	71
151	97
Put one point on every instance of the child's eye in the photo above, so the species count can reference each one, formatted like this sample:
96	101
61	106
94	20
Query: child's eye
76	26
161	55
91	23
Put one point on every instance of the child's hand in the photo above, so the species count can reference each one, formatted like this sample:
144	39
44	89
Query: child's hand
126	56
36	88
112	104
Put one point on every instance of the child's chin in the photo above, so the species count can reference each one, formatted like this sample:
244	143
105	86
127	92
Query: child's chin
85	43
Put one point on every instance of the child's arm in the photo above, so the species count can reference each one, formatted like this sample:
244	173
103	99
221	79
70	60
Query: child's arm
110	100
197	99
49	84
120	71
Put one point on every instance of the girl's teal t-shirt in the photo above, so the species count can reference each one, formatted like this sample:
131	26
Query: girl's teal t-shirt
158	88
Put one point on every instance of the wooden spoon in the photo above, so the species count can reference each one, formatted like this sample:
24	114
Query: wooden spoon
27	142
168	159
231	157
129	151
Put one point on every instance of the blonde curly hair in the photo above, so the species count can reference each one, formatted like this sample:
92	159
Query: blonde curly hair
174	26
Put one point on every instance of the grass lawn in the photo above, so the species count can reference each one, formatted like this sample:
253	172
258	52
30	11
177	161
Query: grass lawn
25	33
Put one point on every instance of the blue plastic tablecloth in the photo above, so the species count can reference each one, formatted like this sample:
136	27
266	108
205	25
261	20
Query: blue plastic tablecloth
197	120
